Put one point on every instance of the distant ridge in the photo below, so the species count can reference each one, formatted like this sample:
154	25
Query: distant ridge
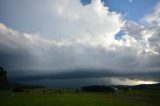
103	88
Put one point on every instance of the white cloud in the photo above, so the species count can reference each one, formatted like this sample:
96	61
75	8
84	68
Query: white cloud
93	19
154	17
56	19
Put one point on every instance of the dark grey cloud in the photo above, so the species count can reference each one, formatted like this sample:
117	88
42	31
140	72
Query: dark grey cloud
87	73
84	77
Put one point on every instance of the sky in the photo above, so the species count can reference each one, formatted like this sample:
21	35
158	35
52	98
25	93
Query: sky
64	43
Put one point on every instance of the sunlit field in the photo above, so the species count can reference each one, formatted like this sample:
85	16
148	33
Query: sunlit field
48	97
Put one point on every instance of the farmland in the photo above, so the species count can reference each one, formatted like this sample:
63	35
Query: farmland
50	97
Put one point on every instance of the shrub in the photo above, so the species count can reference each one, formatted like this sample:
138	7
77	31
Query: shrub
44	91
18	89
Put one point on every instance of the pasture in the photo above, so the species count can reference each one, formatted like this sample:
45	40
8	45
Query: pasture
50	97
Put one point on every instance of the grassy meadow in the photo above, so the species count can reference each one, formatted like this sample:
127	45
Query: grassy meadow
48	97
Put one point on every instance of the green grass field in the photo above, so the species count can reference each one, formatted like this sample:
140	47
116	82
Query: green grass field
72	98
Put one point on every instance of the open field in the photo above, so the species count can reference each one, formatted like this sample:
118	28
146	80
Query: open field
71	98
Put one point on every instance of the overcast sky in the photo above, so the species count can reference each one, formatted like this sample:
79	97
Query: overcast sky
48	40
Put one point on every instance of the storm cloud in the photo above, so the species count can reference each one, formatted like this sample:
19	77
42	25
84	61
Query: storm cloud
83	45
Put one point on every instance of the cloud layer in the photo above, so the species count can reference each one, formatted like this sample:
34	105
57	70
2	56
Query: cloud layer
87	42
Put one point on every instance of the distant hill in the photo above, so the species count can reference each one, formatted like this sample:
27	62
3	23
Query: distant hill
103	88
146	86
14	85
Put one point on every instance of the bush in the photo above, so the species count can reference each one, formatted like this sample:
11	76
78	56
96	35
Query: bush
27	91
18	89
77	90
96	88
59	90
55	91
43	91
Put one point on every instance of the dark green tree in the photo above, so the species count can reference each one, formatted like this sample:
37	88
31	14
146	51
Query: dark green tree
3	77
